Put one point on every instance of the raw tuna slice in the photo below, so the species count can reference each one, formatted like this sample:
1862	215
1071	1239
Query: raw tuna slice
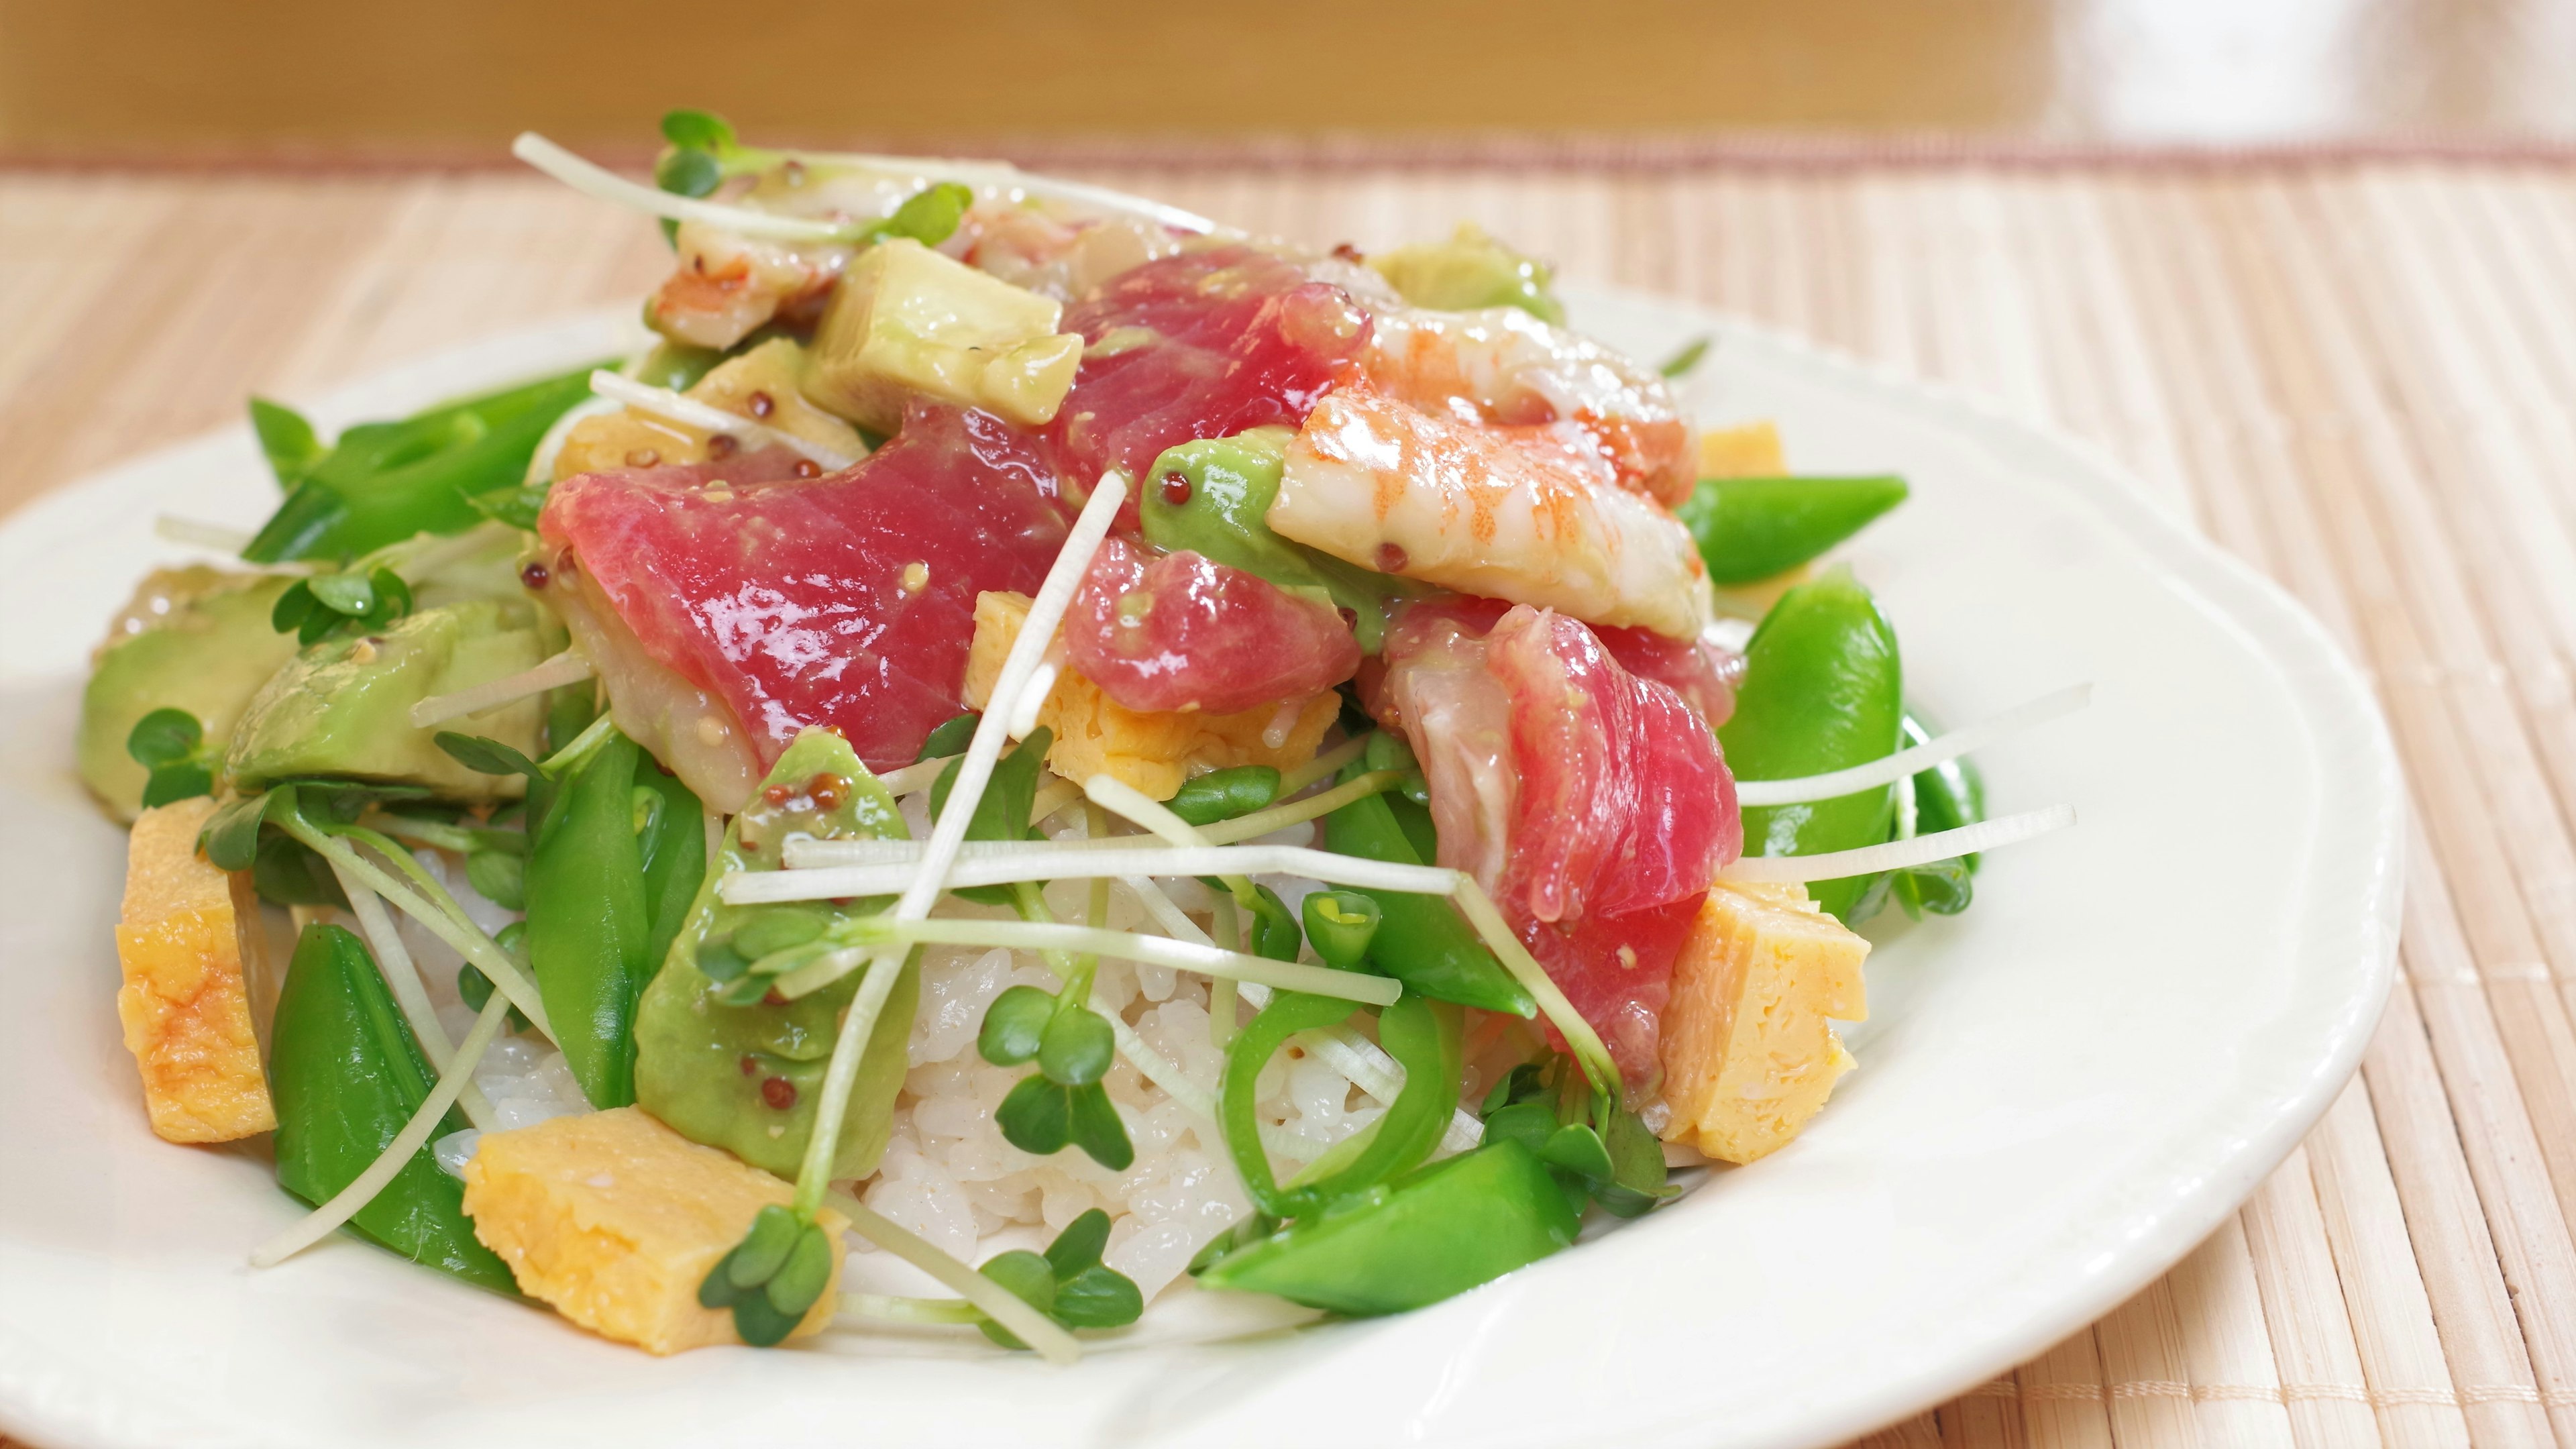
846	600
1594	804
1199	345
1184	632
1703	674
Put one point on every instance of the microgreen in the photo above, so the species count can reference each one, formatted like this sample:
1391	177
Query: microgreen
172	746
1594	1146
773	1277
486	756
950	738
1684	362
314	608
931	215
514	507
1067	1282
286	440
702	130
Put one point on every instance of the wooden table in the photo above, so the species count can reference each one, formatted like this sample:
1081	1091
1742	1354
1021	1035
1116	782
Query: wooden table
2352	370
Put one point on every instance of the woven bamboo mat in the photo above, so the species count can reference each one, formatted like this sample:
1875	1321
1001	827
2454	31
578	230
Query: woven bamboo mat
2354	371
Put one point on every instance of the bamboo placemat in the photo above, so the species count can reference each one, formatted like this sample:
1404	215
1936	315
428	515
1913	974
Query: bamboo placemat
2354	371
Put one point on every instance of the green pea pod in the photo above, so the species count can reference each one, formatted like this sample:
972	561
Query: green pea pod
382	483
1754	528
674	844
1421	940
1948	795
1433	1234
1288	1013
590	920
1213	496
744	1075
346	1076
1823	690
1422	1035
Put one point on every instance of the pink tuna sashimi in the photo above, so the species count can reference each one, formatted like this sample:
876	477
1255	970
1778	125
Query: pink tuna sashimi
1703	674
1594	804
1617	971
846	600
1184	632
1199	345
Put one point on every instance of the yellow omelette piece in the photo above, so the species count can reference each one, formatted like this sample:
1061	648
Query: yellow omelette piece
183	942
1748	1047
1152	750
616	1219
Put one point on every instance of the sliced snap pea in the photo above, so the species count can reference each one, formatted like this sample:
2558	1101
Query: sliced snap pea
1754	528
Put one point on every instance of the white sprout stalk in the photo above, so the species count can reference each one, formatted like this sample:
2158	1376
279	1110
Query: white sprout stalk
973	774
592	179
1899	854
348	1201
1297	812
1052	799
1142	809
1488	921
448	925
1063	864
882	1308
898	783
569	667
1905	763
402	975
688	411
877	933
1322	766
997	1302
1001	174
197	533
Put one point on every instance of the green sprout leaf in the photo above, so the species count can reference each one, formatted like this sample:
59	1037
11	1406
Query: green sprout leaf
1684	362
1080	1244
164	737
701	130
688	171
1097	1128
486	756
1078	1048
1037	1116
350	594
1014	1025
286	439
185	780
951	738
1068	1283
930	215
499	877
292	608
515	507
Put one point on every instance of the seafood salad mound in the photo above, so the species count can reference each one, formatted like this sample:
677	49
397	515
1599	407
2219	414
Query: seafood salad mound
1032	756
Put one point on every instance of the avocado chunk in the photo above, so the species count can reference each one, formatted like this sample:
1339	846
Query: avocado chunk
908	320
343	707
1469	271
194	638
1213	497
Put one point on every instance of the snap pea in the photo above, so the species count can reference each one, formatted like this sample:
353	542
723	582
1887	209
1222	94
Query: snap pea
1424	1038
1340	924
1430	1235
346	1076
1823	690
1946	796
1420	940
1754	528
384	482
615	862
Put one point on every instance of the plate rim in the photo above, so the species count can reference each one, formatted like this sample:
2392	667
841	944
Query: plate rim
2324	684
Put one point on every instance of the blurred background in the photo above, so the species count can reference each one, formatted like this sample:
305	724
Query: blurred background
450	82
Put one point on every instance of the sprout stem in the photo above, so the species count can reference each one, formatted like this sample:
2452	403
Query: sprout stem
997	1302
569	667
1906	763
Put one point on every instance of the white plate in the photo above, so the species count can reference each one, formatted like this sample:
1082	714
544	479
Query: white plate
2060	1092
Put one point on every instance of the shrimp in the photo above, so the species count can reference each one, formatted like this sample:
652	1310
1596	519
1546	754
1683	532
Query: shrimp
1503	366
1530	515
1054	257
728	286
